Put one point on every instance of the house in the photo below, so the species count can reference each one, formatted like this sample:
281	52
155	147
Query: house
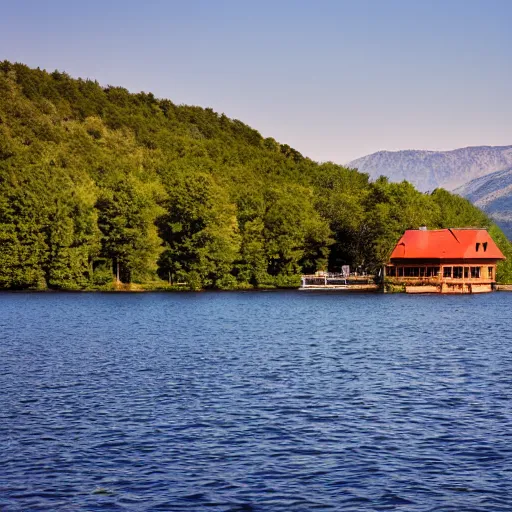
444	261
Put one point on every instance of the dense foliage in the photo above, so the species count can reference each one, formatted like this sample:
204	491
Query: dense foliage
98	183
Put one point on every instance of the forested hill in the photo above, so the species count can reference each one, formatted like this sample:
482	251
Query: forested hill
95	180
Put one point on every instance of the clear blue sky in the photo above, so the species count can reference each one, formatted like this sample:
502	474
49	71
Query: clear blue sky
334	79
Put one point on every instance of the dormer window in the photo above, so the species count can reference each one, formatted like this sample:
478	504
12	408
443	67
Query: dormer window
484	245
477	246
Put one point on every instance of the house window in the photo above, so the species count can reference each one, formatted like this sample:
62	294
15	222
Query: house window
490	272
447	272
391	271
466	272
432	271
475	272
484	245
477	246
400	271
411	272
457	272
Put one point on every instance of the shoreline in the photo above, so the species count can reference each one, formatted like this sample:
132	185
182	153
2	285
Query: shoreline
166	288
331	290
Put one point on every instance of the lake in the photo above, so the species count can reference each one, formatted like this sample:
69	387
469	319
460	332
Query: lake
257	401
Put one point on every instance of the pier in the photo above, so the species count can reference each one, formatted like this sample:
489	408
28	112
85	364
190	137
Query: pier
338	281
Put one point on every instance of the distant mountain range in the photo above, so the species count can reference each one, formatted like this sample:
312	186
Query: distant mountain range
483	174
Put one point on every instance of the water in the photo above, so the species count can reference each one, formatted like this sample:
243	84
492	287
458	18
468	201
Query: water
286	401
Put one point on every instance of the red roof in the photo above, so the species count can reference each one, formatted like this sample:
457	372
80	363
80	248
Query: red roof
446	244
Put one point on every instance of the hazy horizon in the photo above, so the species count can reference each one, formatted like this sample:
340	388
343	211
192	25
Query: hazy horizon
334	80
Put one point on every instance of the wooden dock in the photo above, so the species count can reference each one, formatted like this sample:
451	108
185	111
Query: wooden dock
342	288
338	282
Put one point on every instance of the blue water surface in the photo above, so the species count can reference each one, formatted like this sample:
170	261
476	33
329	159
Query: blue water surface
285	401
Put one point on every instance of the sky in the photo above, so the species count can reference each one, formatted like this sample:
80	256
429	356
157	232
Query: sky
335	80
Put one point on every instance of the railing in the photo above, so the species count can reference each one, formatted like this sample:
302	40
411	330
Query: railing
440	279
332	278
338	275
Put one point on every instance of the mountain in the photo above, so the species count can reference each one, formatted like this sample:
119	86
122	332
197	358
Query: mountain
428	170
493	194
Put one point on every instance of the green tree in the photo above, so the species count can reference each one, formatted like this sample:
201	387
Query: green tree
455	211
48	229
504	268
127	211
295	234
200	232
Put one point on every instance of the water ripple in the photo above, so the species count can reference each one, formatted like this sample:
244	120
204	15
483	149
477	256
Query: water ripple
255	402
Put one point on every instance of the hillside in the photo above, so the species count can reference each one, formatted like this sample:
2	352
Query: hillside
100	185
428	170
493	194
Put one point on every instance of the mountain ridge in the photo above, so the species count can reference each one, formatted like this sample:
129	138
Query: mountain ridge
427	169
